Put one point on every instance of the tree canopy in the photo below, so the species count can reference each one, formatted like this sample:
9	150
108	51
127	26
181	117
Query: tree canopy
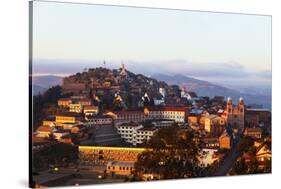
172	153
44	104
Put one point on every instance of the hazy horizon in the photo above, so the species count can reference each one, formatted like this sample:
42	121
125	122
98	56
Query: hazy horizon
228	76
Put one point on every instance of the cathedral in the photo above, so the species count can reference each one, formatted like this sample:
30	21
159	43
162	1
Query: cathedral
235	115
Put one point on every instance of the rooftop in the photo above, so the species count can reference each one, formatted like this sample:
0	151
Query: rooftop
128	112
130	124
211	116
98	116
90	107
147	129
257	110
69	114
256	129
113	163
168	108
39	140
192	94
45	129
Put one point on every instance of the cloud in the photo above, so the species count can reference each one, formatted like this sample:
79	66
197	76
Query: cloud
172	67
264	74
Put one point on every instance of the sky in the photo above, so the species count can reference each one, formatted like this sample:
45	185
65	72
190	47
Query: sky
214	46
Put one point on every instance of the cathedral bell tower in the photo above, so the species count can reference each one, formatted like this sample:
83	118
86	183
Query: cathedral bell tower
241	105
229	106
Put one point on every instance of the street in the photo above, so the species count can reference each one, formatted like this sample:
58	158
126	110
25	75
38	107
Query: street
229	160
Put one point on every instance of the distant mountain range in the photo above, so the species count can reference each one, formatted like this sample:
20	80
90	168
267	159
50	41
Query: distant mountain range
204	88
42	83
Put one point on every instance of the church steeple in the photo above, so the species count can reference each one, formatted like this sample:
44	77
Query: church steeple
123	70
123	73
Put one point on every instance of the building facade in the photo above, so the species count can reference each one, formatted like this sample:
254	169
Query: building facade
235	115
214	124
64	102
129	116
178	114
101	155
70	117
255	133
91	110
225	141
135	133
120	168
78	108
99	120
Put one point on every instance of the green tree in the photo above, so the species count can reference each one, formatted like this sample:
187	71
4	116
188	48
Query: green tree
267	166
253	166
172	153
239	167
244	144
44	104
57	154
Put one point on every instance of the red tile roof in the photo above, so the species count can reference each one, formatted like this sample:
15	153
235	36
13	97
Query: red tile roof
89	107
168	108
45	129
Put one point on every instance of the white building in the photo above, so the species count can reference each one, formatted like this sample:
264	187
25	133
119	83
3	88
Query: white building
162	91
59	134
178	114
99	120
158	101
90	110
160	123
135	133
78	108
129	116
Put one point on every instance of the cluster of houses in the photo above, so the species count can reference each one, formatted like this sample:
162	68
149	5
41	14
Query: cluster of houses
69	124
216	130
215	122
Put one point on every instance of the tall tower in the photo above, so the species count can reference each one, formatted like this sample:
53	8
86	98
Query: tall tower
183	92
229	106
235	115
162	91
241	113
241	105
123	73
123	70
229	112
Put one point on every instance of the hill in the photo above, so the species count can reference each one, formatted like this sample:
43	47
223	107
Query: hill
46	81
204	88
38	90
